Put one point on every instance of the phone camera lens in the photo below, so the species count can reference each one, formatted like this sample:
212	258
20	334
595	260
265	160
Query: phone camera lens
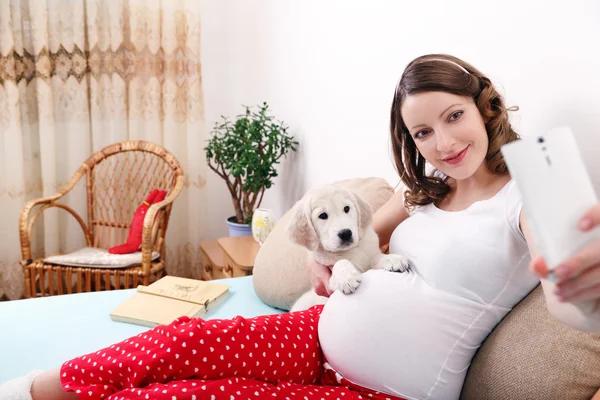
541	140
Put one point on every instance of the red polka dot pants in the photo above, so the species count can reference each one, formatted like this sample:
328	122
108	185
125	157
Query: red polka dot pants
273	356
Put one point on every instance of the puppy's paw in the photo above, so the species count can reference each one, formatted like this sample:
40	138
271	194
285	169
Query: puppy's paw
344	277
393	263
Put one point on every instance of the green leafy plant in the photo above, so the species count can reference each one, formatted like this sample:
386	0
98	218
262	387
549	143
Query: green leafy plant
244	153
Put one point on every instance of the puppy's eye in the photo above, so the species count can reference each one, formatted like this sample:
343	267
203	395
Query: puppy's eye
346	209
323	216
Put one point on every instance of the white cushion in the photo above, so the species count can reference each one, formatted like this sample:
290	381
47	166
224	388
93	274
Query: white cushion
92	257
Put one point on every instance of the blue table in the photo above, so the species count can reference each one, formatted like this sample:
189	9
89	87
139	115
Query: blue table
42	333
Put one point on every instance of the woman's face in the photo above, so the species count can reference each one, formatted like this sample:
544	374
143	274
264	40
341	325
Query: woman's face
448	131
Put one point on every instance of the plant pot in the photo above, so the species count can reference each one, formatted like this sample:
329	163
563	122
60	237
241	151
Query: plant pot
236	229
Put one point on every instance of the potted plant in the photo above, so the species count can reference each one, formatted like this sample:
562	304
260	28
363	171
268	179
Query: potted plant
244	154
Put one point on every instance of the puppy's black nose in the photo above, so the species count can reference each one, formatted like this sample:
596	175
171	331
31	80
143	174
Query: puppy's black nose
345	235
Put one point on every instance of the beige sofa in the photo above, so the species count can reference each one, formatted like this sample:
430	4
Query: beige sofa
528	356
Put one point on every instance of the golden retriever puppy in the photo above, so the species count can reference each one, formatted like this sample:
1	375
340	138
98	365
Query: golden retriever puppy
335	225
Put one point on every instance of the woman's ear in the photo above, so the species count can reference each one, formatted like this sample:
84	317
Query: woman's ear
488	106
301	229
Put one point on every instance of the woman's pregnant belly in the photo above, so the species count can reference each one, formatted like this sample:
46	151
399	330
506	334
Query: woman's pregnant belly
397	335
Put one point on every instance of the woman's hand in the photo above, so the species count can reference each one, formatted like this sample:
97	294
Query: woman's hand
319	276
578	278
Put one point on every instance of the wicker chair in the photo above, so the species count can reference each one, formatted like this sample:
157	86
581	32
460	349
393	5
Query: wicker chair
117	180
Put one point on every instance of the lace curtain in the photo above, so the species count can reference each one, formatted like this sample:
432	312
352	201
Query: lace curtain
78	75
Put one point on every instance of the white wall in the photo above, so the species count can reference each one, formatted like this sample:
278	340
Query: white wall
329	69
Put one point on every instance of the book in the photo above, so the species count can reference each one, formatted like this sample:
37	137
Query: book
169	298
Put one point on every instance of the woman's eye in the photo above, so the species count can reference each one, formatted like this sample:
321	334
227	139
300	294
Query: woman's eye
346	209
456	115
323	216
421	134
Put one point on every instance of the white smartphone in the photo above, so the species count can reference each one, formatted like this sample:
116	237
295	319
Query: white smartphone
556	190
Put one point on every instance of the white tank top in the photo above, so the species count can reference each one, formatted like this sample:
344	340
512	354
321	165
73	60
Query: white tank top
414	334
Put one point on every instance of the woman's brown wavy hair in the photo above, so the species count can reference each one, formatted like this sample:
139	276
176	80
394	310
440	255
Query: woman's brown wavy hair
441	72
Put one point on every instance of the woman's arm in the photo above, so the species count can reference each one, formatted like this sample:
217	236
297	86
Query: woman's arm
584	315
388	217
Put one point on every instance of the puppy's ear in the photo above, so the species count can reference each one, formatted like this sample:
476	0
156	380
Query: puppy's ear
301	229
365	214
